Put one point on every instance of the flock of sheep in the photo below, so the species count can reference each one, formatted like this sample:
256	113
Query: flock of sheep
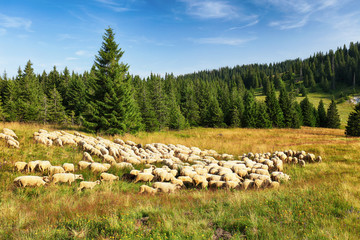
181	166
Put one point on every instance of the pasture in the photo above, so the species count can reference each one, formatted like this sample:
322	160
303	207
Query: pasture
321	201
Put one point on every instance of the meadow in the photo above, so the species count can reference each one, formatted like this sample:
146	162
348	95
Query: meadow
321	201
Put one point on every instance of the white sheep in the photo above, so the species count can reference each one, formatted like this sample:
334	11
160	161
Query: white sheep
177	182
185	179
56	169
199	179
147	189
108	177
232	184
248	184
9	132
24	181
32	165
99	167
108	158
65	178
165	176
11	143
20	166
88	185
44	166
69	167
123	165
279	176
166	187
83	165
145	177
216	184
87	157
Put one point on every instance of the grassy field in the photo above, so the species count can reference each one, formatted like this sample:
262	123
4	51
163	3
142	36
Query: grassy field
320	202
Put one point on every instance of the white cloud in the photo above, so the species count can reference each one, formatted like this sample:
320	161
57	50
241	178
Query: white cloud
14	22
116	7
81	53
2	31
253	23
210	9
298	13
290	24
71	58
223	41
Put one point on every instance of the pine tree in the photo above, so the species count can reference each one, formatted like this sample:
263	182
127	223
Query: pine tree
176	119
322	121
113	108
249	118
147	111
214	116
158	100
308	113
189	107
273	107
55	111
353	124
262	117
332	117
286	106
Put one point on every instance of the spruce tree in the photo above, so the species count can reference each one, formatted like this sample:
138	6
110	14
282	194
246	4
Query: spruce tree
214	116
189	107
353	124
55	111
262	117
332	117
147	111
286	106
158	98
308	113
249	118
176	119
112	109
273	107
322	121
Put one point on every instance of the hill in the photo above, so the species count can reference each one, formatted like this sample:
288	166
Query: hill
319	202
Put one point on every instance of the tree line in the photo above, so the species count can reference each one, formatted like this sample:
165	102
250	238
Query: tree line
108	99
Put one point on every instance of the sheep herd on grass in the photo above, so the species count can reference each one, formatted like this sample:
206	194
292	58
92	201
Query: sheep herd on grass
180	166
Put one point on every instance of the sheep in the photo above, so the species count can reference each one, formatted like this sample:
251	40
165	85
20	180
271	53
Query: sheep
69	167
20	166
32	165
165	176
99	167
56	169
147	189
109	159
134	172
83	165
302	163
231	177
9	132
248	184
186	179
177	182
58	142
200	179
231	184
145	177
215	178
319	159
11	143
274	185
24	181
279	176
166	187
44	166
108	177
123	165
88	185
66	178
216	184
87	157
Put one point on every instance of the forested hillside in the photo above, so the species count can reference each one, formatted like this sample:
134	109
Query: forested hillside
211	98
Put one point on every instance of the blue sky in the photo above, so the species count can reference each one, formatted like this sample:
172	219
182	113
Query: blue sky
173	36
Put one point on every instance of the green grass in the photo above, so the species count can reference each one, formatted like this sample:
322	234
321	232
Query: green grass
320	202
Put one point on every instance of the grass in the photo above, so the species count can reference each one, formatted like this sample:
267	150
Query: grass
320	202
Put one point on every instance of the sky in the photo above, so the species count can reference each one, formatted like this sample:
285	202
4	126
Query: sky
171	36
